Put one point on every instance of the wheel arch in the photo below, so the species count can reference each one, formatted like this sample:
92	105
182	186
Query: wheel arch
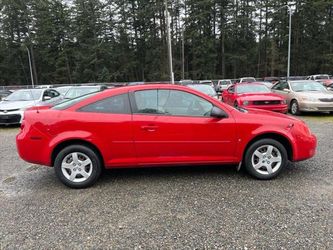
278	137
67	143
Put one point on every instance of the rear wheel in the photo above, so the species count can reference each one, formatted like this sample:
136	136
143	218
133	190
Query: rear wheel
265	159
77	166
294	108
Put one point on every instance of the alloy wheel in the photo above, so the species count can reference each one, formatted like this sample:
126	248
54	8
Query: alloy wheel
266	159
76	167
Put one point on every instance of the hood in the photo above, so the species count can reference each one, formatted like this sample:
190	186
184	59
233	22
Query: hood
315	94
8	105
260	97
266	115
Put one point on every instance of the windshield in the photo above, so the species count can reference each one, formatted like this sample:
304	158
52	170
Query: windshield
25	95
63	90
252	88
206	89
306	86
68	103
80	91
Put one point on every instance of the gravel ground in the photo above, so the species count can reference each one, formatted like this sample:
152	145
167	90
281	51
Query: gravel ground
174	208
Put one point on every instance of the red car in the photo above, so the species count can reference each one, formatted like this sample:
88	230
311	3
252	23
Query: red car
254	95
155	125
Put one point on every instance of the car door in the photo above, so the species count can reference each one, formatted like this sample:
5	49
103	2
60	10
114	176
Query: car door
173	126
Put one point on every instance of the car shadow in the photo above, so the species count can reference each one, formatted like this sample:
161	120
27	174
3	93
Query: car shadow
169	172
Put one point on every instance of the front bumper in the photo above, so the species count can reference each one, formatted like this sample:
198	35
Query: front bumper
316	106
281	108
306	147
12	117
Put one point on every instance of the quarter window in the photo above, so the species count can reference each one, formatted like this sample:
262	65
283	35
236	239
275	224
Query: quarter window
118	104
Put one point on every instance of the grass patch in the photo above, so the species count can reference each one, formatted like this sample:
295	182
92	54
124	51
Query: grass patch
318	117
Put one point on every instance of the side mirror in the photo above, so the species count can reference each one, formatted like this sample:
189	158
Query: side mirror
286	90
218	113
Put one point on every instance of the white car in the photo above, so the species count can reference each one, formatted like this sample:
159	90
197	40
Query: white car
223	85
247	79
13	106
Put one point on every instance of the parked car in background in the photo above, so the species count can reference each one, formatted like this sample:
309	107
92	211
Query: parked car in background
206	89
135	83
268	84
156	125
63	89
247	79
185	82
14	105
77	91
4	94
330	87
305	95
272	79
323	79
254	95
223	85
207	82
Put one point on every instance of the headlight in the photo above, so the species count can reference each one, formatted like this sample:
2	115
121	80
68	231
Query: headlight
246	103
310	99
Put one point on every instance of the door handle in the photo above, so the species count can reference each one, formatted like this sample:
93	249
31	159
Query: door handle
149	128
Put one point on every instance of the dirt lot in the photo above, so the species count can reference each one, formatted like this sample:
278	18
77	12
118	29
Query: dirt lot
192	207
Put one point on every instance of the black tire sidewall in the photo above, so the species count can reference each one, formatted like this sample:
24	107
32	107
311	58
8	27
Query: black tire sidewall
291	108
248	155
96	162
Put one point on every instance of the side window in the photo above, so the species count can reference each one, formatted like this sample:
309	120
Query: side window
277	86
284	85
146	101
180	103
118	104
54	93
171	102
281	86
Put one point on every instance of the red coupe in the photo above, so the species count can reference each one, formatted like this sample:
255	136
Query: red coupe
254	95
155	125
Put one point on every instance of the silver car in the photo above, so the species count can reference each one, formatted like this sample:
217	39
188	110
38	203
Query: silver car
305	95
13	106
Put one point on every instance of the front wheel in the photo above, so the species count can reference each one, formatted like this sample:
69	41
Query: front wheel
77	166
265	159
294	108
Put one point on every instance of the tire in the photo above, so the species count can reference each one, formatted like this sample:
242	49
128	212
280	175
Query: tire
262	164
77	166
294	108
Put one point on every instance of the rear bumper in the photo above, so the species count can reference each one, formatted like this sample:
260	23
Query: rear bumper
32	146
